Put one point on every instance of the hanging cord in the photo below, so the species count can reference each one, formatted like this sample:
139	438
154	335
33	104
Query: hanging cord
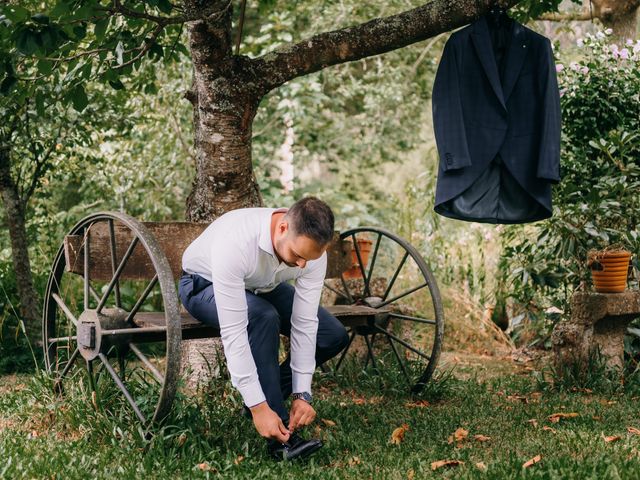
241	24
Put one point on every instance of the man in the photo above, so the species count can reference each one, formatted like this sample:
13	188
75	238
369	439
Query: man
234	278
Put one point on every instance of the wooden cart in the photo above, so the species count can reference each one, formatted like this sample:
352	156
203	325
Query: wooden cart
111	307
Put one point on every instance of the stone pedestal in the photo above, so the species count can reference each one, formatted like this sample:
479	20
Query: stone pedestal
598	322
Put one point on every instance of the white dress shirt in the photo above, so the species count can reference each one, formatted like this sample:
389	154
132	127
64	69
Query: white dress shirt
236	254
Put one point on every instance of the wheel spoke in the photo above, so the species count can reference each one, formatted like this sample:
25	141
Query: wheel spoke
413	319
402	366
69	364
143	358
402	342
346	288
395	275
337	292
65	309
142	298
373	260
403	294
112	238
92	380
344	352
116	275
370	354
122	387
62	339
359	257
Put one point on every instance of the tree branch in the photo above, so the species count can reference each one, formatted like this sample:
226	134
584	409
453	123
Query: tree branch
566	16
371	38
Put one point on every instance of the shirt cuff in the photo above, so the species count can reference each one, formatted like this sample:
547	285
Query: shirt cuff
252	394
301	382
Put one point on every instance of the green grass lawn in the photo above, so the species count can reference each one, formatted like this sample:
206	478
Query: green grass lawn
205	437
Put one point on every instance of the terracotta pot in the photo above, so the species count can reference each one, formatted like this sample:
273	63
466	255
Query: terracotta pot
364	245
609	271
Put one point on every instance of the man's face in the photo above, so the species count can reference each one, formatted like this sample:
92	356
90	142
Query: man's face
295	250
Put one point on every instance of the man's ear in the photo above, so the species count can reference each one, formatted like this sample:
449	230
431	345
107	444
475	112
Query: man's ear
283	226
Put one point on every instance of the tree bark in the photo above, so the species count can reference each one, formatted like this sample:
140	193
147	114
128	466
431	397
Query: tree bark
621	16
14	211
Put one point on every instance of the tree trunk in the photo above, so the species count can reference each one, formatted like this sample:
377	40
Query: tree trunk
14	211
224	99
621	16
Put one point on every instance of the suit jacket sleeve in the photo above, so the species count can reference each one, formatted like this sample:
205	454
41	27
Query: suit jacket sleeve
549	158
448	120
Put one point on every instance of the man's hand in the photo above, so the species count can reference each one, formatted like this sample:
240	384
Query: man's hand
302	414
268	423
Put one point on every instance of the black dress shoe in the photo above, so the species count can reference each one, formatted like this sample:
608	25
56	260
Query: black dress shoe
296	447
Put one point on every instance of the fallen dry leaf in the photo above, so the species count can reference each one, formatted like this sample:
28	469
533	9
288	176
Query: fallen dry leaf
555	417
398	434
353	461
94	399
418	403
633	430
533	422
549	429
359	401
533	461
481	466
181	439
518	398
459	436
410	474
445	463
238	459
481	438
328	423
205	467
611	438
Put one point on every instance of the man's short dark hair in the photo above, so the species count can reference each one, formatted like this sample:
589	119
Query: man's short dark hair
313	218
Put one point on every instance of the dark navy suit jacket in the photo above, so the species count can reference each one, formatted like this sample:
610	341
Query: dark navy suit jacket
480	117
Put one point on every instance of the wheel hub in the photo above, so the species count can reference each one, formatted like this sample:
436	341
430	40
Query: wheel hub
91	326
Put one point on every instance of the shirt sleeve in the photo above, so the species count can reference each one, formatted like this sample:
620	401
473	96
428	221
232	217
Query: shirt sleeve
304	324
228	272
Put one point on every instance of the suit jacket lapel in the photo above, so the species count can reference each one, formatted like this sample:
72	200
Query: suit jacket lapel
482	44
518	48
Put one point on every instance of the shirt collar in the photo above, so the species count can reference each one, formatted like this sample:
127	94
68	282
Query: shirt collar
264	241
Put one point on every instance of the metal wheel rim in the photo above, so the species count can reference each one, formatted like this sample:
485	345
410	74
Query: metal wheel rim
433	291
169	295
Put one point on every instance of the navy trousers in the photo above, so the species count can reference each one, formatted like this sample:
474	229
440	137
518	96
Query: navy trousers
269	317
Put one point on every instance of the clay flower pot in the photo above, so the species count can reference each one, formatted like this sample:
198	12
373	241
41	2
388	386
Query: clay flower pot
364	245
609	270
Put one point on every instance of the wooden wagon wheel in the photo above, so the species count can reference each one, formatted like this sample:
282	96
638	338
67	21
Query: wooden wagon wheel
405	329
98	285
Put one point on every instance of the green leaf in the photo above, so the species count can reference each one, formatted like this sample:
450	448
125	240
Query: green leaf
116	84
15	13
80	31
165	6
7	84
100	28
40	103
79	98
45	67
26	42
